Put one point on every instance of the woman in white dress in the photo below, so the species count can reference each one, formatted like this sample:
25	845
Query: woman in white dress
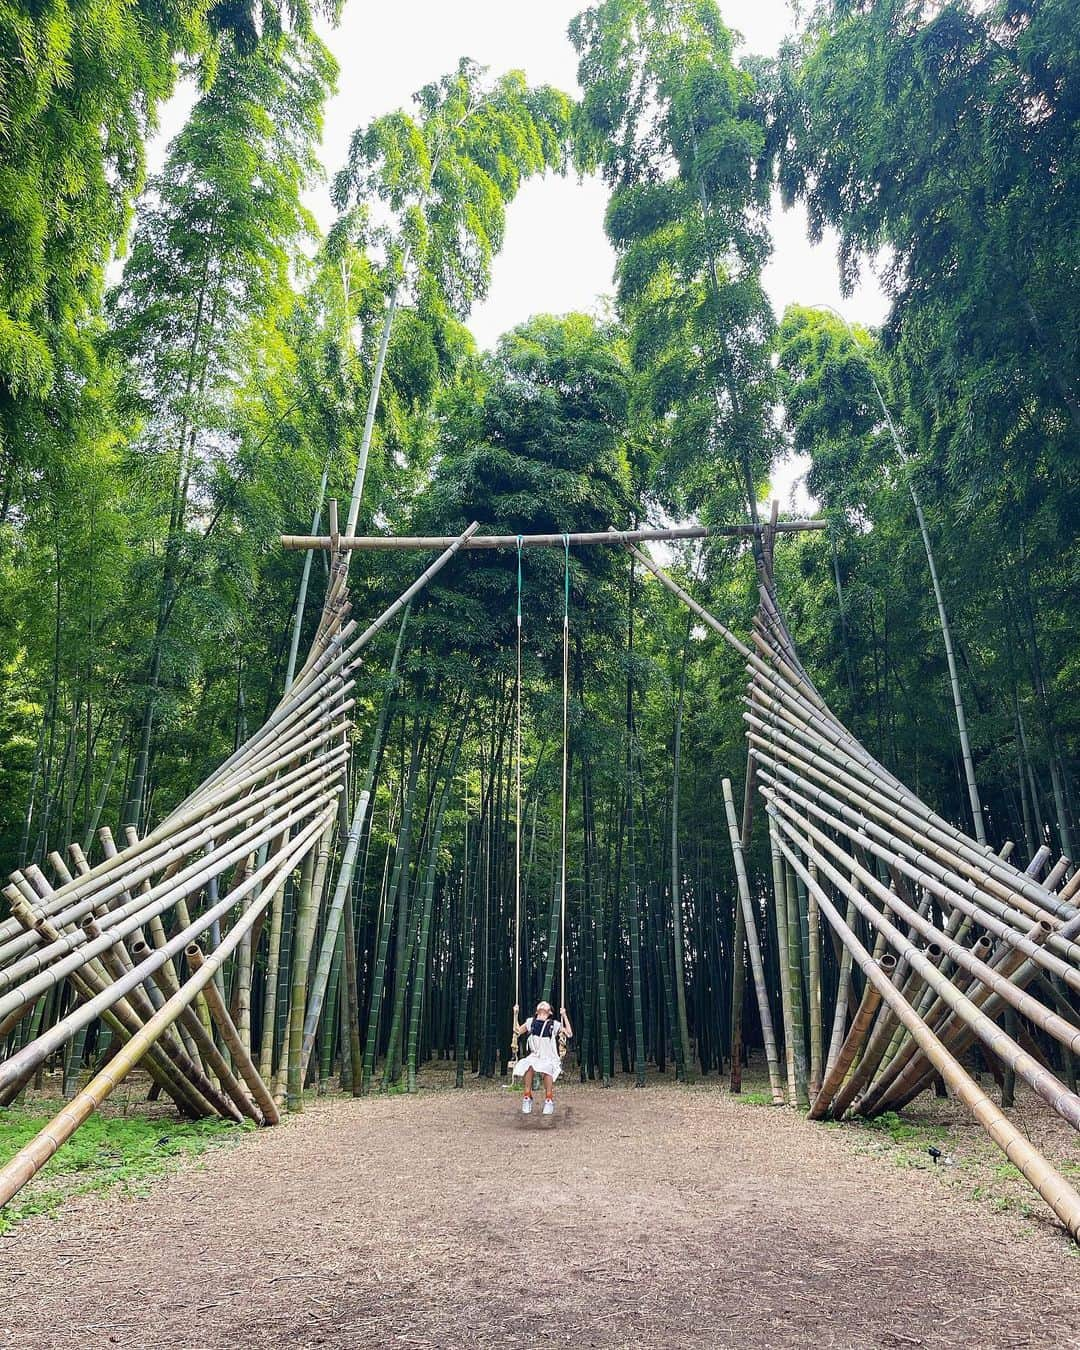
543	1058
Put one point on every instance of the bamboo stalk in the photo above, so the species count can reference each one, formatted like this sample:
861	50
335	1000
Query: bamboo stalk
780	914
814	993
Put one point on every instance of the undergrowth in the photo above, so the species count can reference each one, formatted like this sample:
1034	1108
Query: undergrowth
105	1153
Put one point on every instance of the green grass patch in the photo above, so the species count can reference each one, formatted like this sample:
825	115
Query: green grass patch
906	1143
902	1131
105	1153
753	1098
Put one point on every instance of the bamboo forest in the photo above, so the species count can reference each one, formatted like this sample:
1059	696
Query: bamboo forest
696	668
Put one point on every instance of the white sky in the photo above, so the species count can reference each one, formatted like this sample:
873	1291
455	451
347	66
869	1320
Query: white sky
555	257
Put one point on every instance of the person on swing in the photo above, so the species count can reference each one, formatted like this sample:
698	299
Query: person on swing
543	1058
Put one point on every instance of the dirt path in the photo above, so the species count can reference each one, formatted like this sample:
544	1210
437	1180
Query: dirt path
666	1217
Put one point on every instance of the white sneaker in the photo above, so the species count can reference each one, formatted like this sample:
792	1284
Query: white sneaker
549	1107
526	1105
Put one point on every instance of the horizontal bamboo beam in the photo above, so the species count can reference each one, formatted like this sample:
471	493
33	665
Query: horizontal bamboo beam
387	542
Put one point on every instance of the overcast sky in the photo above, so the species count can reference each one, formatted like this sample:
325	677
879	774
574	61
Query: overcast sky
555	257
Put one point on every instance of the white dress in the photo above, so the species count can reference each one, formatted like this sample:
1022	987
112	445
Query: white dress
543	1055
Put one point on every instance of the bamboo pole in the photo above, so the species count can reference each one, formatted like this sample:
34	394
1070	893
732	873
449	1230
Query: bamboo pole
756	964
352	543
853	1041
817	1048
782	942
843	997
302	933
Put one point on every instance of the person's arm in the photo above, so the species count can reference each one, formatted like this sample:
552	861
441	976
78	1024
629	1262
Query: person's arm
565	1019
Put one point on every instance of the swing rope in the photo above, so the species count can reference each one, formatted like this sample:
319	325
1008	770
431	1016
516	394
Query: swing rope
517	825
517	800
565	774
517	821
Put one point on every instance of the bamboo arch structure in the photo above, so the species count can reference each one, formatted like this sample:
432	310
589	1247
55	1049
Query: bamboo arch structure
947	938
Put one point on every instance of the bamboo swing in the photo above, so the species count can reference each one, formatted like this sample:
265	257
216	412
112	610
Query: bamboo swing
564	789
948	938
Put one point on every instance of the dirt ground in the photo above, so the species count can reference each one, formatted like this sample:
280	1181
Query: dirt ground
659	1217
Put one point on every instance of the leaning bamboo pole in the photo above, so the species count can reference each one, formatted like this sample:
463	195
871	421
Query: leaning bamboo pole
231	1036
746	904
853	1041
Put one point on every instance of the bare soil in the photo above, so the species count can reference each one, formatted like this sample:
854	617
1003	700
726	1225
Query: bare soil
668	1216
